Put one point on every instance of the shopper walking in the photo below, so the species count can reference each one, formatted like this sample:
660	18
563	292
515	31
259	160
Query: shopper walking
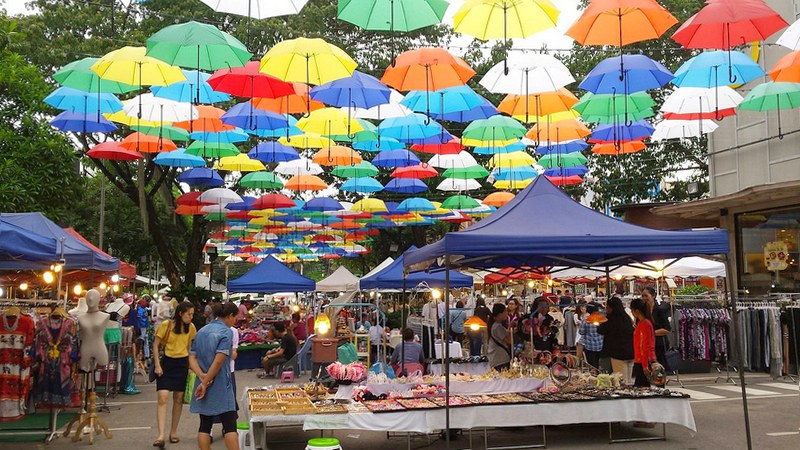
617	334
213	394
644	342
175	338
499	338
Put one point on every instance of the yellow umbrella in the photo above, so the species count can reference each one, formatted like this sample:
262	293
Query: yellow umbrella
312	61
467	142
436	212
265	213
329	122
370	205
288	258
239	163
555	117
513	184
503	19
121	117
129	65
307	140
512	159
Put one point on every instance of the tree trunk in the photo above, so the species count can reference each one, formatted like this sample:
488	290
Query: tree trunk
194	249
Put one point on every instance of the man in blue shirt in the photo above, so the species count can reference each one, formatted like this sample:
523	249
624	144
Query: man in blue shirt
591	340
214	394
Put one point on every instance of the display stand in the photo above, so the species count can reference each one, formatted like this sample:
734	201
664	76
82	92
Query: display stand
110	370
51	430
543	444
87	420
362	342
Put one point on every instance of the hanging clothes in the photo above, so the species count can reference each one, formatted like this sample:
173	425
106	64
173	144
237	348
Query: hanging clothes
702	333
16	339
761	345
56	349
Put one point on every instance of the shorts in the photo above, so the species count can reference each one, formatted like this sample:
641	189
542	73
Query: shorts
228	420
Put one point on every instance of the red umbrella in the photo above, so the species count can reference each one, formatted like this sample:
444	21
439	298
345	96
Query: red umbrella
191	199
273	201
113	151
323	238
452	147
237	215
249	81
566	181
713	115
419	171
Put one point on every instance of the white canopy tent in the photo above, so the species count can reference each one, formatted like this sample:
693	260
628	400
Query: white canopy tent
693	266
341	280
379	267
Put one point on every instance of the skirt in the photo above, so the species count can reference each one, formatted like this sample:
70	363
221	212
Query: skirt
176	370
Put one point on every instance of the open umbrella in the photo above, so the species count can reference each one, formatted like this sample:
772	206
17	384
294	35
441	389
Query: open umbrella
239	163
773	96
82	123
364	185
449	161
131	66
619	132
412	128
178	158
186	91
417	171
458	185
409	186
642	73
249	81
256	9
305	183
362	169
395	158
513	159
336	155
273	201
312	61
475	171
298	102
496	130
789	38
212	149
369	205
79	75
248	117
147	144
787	69
261	180
451	147
608	108
270	152
458	202
67	98
323	204
524	107
508	148
149	107
113	151
446	102
209	120
227	136
682	129
201	176
301	166
711	69
306	141
219	196
377	144
416	204
356	91
392	109
527	74
568	160
688	103
329	122
619	148
565	146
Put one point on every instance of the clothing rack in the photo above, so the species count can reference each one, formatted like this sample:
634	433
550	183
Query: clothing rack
784	301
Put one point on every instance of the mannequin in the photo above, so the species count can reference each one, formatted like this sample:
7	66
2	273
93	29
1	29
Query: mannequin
80	309
92	329
163	311
117	311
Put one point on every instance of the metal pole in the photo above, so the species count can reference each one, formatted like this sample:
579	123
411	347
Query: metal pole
446	344
737	337
101	225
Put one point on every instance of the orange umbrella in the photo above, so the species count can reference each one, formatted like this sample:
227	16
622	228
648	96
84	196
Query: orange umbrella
522	106
621	22
145	143
427	69
346	225
209	120
787	69
563	130
305	183
187	210
337	155
498	199
620	148
297	103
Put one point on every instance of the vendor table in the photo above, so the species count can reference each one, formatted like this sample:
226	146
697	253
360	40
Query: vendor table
250	356
502	386
455	350
659	410
476	368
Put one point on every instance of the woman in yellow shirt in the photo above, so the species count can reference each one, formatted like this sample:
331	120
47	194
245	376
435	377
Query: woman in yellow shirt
175	337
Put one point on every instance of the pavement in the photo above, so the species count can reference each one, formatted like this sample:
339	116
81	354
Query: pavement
774	415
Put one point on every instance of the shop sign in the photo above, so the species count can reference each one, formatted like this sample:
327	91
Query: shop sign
776	255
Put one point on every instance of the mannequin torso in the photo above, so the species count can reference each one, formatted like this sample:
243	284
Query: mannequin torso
117	310
92	329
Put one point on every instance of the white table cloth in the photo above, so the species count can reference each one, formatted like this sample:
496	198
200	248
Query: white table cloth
455	350
504	386
478	368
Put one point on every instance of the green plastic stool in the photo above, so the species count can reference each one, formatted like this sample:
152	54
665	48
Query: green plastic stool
323	444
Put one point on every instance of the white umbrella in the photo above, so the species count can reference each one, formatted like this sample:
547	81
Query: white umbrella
458	184
257	9
527	74
791	37
219	196
215	209
697	100
682	129
302	166
303	225
233	258
387	111
460	160
157	109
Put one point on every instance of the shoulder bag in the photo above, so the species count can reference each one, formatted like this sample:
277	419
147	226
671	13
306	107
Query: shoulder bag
152	374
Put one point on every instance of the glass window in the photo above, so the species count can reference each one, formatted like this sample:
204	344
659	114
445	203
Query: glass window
768	251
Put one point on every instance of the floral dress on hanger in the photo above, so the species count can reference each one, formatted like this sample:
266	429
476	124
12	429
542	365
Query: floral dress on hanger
16	337
56	349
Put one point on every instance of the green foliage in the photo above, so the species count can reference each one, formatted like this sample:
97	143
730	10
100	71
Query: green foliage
696	289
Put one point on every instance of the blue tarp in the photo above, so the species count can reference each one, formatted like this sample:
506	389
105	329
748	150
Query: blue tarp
20	244
542	226
391	277
77	255
269	276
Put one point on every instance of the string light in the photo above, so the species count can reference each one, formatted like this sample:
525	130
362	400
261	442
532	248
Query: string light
23	286
48	277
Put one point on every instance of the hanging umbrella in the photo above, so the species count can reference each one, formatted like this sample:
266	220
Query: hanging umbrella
427	69
789	38
273	201
219	196
364	185
395	158
513	159
357	91
147	144
564	130
306	141
336	156
329	122
149	107
409	186
773	96
301	166
362	169
131	66
312	61
248	81
496	130
568	160
606	108
227	136
688	103
451	147
565	180
508	148
475	171
272	151
369	205
413	127
620	132
484	110
136	123
787	69
621	22
190	199
186	91
458	202
82	123
377	144
392	109
445	101
79	75
256	9
239	163
498	199
566	146
212	149
519	173
247	117
165	131
323	204
619	148
209	119
113	151
566	171
261	180
416	204
458	185
642	73
67	98
521	107
682	129
449	161
201	176
305	183
178	158
711	69
504	19
527	74
298	102
512	184
417	171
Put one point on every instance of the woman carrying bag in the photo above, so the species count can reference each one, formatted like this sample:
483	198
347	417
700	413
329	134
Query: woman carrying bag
175	338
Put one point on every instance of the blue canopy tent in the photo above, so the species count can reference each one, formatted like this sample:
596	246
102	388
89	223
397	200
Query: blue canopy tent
391	277
76	254
270	276
20	244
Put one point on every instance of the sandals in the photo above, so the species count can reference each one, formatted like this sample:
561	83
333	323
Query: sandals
159	443
174	440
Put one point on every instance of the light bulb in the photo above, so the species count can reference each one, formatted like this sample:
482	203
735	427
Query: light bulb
48	277
474	327
437	294
103	286
115	278
57	268
78	289
23	286
115	288
505	292
295	308
530	284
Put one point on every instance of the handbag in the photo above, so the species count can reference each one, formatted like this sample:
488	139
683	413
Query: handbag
152	373
189	389
672	359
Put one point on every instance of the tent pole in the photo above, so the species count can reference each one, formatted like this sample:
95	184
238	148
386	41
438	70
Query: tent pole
403	322
446	345
608	283
737	337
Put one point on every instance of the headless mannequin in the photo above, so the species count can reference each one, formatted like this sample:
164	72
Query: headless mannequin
92	328
80	309
118	311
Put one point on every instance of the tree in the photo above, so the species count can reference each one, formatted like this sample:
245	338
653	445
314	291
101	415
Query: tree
638	177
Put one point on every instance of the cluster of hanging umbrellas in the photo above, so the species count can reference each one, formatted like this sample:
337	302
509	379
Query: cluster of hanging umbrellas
312	112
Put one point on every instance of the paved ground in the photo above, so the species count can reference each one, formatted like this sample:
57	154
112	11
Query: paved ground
774	412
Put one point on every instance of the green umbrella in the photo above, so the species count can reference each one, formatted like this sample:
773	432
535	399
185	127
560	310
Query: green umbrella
261	180
611	106
212	149
460	202
165	131
494	129
78	75
370	133
233	233
362	169
373	219
623	118
466	172
216	216
565	160
772	96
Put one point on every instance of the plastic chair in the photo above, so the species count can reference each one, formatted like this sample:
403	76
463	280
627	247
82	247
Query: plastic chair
304	355
245	438
293	363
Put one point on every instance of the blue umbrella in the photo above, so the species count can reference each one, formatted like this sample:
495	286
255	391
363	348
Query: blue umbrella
245	205
359	90
391	208
416	204
327	220
225	136
273	151
245	115
710	69
566	171
641	74
201	176
179	158
296	209
406	186
395	158
236	241
70	99
83	123
621	132
448	100
513	147
323	204
562	147
379	144
515	173
365	185
186	91
482	111
412	127
385	224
